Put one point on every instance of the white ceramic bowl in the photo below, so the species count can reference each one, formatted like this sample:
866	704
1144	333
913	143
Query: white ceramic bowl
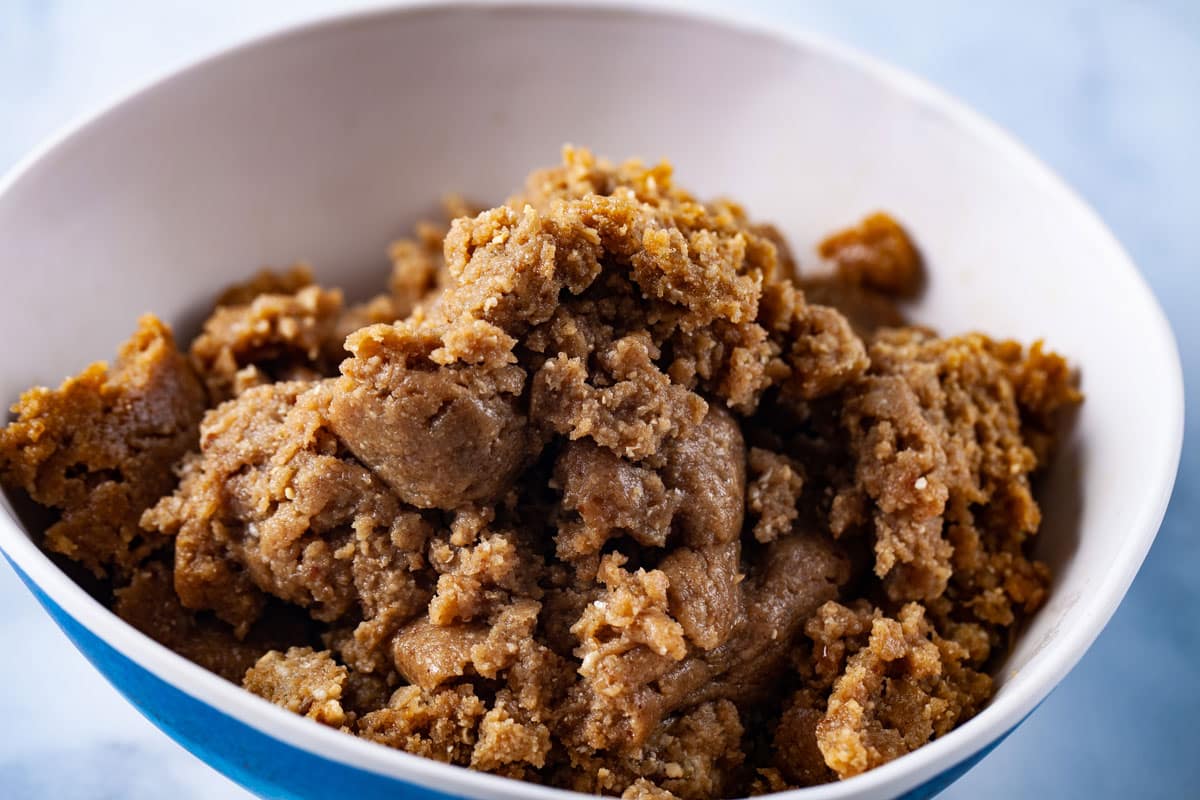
325	141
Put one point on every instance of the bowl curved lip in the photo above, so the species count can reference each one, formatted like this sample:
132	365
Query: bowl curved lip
1000	716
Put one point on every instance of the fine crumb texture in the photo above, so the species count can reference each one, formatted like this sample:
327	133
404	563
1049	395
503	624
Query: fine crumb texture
272	337
903	686
599	491
301	680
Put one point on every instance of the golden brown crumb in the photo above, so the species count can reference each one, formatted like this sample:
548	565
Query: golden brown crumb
266	281
774	493
272	337
100	448
877	254
302	681
149	603
904	687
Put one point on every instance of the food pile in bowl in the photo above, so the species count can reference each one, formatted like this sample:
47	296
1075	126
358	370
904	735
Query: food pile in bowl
603	492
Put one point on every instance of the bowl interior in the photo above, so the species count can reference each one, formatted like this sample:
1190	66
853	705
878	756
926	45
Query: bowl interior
323	144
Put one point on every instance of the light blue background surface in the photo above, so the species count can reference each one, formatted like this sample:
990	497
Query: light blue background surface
1107	93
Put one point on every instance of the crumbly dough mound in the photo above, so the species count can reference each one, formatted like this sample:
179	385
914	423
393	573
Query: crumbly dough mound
774	494
696	755
904	686
439	436
301	680
510	734
273	337
266	281
945	470
876	254
272	506
441	724
481	570
599	491
149	603
100	448
417	277
630	406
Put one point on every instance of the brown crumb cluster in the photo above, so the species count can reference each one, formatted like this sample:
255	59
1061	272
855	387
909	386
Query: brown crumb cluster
600	492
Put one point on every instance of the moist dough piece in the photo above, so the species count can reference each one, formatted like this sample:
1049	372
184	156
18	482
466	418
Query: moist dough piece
453	725
707	465
439	436
906	686
636	664
773	493
695	755
876	254
303	681
149	603
609	497
266	281
697	491
100	448
271	505
272	337
428	655
702	591
796	752
936	427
